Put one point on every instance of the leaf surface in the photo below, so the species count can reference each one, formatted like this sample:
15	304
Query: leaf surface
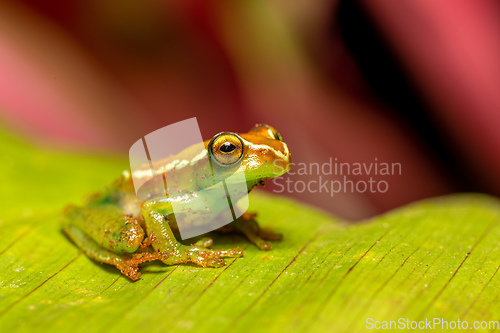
433	259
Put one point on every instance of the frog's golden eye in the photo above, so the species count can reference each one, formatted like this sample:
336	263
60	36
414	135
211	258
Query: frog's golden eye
226	148
267	131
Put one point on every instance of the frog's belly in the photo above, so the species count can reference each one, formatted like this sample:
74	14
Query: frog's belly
201	212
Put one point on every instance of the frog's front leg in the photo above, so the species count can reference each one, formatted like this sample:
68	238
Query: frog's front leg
162	238
248	226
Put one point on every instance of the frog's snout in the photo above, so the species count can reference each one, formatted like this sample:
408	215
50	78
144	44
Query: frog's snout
281	166
288	154
282	159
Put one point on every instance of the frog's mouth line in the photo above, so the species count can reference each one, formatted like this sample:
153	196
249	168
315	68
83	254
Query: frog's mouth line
260	183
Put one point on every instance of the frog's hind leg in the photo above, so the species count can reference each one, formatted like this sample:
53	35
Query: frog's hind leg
97	231
100	254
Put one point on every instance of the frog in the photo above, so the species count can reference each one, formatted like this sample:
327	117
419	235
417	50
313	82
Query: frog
116	226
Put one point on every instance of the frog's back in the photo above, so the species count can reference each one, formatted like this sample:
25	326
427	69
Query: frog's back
120	193
180	168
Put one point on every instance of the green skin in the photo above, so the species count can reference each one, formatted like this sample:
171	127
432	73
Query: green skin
117	228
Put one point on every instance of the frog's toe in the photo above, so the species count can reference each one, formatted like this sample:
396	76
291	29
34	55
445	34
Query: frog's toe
205	242
215	262
249	216
263	245
212	258
255	234
131	271
231	253
269	235
207	259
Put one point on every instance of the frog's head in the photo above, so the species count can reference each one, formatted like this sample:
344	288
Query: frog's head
261	154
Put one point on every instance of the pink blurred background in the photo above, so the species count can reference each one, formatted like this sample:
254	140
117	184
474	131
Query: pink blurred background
413	82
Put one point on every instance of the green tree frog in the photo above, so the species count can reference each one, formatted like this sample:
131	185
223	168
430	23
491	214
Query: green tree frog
117	228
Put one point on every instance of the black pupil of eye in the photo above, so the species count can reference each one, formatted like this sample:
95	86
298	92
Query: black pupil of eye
227	147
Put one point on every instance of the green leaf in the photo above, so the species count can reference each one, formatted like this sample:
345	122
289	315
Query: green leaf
433	259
